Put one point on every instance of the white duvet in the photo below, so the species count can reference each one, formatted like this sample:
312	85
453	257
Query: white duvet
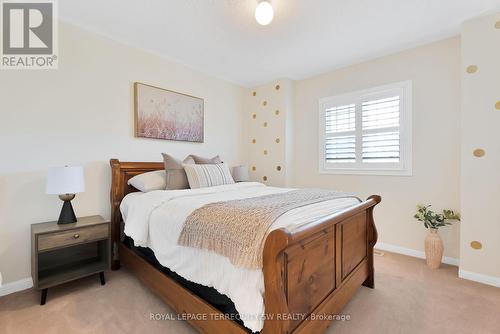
155	220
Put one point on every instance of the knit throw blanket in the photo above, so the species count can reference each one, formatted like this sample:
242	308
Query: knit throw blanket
237	229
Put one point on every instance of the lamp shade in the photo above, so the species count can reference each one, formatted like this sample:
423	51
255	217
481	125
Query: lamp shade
240	173
65	180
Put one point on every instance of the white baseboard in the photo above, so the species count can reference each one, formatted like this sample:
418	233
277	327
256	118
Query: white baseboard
16	286
412	252
485	279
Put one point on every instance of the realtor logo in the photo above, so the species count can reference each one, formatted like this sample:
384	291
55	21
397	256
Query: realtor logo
29	35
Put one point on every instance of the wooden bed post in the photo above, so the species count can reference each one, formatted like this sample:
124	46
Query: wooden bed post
115	212
275	298
372	240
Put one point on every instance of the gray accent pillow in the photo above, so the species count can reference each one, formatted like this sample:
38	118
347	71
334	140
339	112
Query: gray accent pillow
189	160
202	161
176	176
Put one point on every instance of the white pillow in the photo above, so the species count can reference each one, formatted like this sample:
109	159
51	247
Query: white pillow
156	180
202	176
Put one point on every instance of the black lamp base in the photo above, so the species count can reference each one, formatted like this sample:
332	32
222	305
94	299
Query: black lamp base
67	215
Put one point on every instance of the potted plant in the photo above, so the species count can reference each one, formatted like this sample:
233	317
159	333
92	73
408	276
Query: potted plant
433	221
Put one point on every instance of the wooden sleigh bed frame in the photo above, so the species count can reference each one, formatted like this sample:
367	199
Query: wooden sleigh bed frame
309	274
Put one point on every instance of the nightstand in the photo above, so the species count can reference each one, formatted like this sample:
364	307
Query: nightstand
64	252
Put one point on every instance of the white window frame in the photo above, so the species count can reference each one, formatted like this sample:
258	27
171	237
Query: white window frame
404	167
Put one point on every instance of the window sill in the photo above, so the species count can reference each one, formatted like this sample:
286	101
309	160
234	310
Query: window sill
373	172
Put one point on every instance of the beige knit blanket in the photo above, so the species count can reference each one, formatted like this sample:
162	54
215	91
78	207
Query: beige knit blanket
237	229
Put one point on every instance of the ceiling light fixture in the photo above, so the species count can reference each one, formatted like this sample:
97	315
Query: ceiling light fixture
264	12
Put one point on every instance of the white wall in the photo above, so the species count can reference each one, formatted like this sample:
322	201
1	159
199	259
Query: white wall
435	72
480	179
269	132
81	114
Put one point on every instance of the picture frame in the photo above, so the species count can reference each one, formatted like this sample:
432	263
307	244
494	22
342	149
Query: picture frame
166	114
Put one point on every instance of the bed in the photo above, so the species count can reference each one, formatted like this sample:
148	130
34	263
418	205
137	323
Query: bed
309	271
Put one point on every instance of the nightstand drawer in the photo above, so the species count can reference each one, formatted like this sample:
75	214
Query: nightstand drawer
72	237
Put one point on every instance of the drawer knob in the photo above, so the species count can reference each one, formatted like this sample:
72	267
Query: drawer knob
76	236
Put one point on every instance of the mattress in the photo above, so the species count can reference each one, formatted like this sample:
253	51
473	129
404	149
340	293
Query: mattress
155	219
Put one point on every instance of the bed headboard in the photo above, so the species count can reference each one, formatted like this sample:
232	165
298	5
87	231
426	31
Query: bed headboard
121	172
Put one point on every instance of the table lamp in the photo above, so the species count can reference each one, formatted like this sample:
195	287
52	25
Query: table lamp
240	173
65	182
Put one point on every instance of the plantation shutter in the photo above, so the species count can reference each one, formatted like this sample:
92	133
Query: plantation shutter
380	128
363	131
340	143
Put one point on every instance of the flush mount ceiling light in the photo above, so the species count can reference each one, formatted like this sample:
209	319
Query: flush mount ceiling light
264	12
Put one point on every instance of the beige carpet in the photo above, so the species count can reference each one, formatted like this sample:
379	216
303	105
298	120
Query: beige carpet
409	298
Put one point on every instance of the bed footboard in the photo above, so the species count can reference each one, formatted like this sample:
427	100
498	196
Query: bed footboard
312	272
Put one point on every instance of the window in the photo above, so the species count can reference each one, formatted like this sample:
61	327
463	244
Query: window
367	132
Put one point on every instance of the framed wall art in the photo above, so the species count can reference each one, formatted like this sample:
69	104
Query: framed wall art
165	114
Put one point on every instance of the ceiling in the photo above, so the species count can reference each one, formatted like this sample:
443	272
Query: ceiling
307	37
